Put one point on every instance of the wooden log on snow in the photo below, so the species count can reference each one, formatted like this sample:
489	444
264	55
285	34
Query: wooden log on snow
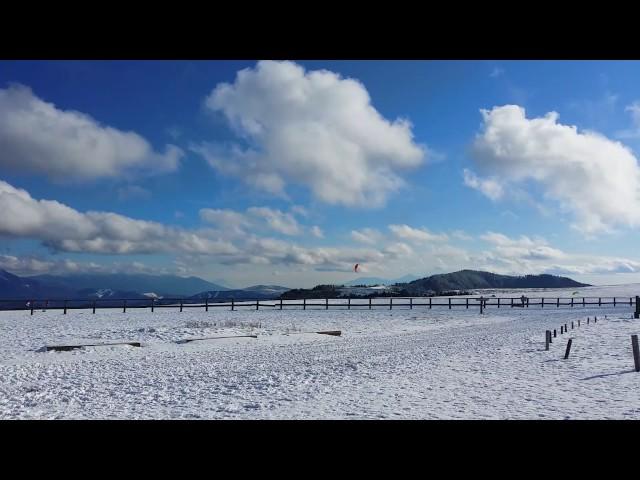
566	353
63	348
187	340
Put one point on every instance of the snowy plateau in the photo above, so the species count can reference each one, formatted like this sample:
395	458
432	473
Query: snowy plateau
387	364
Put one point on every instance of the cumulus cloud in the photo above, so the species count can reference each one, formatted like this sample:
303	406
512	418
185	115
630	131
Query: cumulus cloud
314	129
225	219
591	176
488	186
317	232
63	228
279	221
370	236
418	235
37	137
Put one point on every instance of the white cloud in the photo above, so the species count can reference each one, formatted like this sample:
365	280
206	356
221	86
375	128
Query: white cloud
279	221
37	137
225	219
314	129
461	235
366	235
496	72
133	192
317	232
489	186
634	132
416	234
64	229
591	176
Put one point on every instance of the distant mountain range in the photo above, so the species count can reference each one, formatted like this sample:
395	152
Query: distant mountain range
474	279
120	286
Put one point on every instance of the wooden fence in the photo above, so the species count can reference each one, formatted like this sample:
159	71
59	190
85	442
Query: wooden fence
328	303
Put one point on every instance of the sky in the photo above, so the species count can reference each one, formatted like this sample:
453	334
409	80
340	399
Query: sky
291	172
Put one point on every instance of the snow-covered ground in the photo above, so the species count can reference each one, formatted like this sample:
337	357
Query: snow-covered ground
398	363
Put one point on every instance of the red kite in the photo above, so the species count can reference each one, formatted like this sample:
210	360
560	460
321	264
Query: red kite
355	269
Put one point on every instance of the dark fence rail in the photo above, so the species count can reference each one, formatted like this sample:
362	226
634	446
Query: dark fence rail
323	303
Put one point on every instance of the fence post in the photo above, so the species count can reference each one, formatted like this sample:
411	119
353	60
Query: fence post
31	303
280	303
571	302
94	306
542	302
304	303
124	307
614	301
481	304
578	322
467	303
449	303
636	352
587	320
527	302
65	307
326	304
153	301
369	303
572	325
498	302
583	301
547	334
390	303
566	353
257	304
599	301
554	332
429	302
637	314
349	303
232	305
180	304
558	303
206	304
411	304
561	329
565	328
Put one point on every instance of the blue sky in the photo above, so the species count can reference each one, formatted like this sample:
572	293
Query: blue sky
294	171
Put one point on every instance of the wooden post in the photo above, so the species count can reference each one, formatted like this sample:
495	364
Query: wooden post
349	303
578	322
527	302
565	328
637	313
124	307
558	303
232	305
571	302
429	302
467	303
542	302
587	320
153	301
554	332
326	303
498	302
583	301
550	337
511	302
547	334
206	304
31	304
369	303
481	305
449	303
636	352
257	304
561	331
390	302
411	304
180	304
304	303
280	303
572	325
65	307
595	319
566	353
614	301
599	301
94	306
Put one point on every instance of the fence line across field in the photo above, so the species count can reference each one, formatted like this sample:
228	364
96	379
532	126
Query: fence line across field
327	303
